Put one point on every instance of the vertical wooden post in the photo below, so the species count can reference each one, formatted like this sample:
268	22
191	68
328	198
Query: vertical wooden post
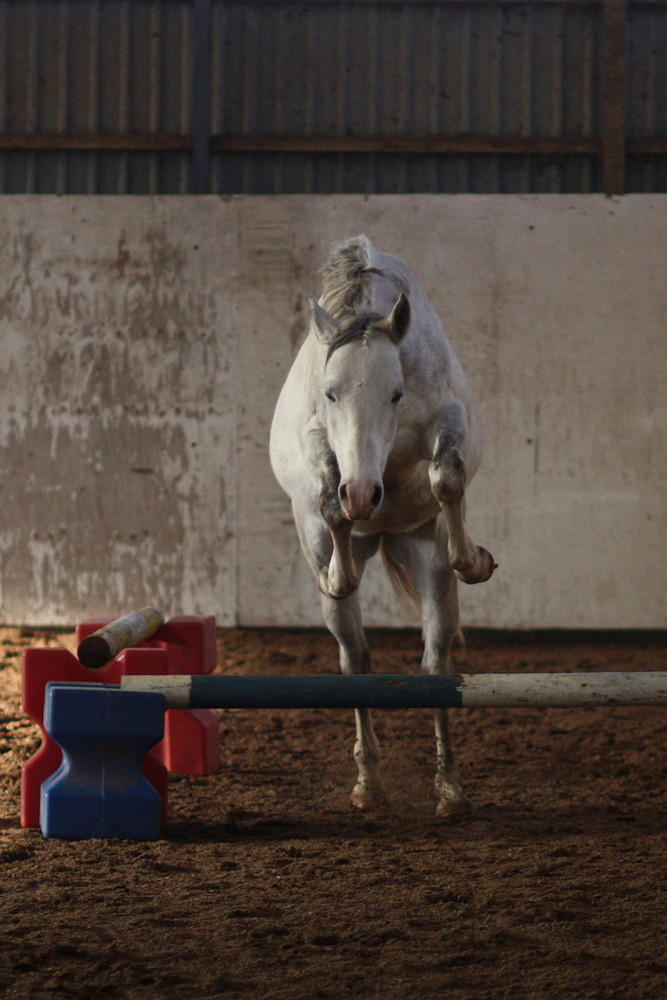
200	104
613	96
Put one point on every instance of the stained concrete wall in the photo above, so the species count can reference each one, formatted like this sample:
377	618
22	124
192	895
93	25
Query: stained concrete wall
143	342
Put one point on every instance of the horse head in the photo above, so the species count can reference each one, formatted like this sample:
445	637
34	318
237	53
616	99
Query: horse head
361	388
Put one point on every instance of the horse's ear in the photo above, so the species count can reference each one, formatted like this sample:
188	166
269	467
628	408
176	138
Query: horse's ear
397	322
325	326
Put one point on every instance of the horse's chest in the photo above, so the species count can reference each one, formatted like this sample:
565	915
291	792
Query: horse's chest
408	501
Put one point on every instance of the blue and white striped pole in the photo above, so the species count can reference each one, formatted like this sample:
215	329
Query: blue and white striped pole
407	691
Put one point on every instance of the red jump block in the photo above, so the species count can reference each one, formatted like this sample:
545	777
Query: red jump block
189	640
191	743
182	645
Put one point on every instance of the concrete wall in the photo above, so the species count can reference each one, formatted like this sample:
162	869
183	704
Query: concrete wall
143	342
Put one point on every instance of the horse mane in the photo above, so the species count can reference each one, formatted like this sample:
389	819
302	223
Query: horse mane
344	277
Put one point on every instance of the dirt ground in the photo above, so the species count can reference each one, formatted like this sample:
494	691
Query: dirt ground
267	884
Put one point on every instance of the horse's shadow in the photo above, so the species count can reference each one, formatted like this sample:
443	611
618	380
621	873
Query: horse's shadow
487	822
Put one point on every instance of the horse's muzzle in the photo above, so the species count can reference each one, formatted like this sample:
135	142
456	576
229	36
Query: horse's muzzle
360	500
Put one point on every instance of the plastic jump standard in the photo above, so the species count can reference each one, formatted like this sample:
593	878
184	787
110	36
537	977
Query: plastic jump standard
99	790
404	691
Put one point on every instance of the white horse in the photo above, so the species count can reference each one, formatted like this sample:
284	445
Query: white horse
375	438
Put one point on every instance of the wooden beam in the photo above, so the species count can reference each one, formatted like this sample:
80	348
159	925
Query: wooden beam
648	146
402	144
95	142
613	96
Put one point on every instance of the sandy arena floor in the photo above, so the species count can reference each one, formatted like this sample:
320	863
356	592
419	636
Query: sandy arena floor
266	884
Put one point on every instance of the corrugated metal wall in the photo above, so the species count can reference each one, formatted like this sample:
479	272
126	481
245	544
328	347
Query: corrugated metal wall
646	93
294	96
85	68
406	69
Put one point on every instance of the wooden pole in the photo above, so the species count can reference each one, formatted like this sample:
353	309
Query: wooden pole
406	691
101	646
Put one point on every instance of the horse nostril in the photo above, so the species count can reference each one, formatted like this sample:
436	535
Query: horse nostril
377	496
342	492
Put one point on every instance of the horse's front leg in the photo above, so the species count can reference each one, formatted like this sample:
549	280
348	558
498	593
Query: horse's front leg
343	619
338	577
342	616
449	477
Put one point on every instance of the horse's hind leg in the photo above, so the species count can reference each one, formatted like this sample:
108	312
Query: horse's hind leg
428	566
343	619
449	477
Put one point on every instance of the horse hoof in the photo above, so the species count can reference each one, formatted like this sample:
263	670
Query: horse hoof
449	807
481	571
369	798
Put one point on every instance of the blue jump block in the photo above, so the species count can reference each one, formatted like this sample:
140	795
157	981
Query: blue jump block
99	790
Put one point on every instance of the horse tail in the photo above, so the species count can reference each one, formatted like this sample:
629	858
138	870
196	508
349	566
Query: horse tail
405	591
401	582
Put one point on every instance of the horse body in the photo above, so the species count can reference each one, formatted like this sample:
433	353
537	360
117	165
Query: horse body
375	437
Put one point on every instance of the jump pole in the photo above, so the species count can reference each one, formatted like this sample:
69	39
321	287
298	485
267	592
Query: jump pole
555	690
99	647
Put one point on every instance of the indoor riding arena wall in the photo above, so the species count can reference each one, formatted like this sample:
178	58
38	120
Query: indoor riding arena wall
144	340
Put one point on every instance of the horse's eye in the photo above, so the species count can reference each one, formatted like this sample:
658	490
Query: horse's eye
330	396
397	397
